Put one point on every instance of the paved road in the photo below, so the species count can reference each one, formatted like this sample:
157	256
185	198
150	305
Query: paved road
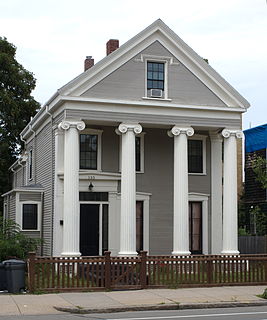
245	313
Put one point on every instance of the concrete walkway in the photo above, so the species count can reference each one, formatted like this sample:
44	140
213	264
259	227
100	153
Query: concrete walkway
114	301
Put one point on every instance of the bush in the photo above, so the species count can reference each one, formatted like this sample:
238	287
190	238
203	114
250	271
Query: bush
14	244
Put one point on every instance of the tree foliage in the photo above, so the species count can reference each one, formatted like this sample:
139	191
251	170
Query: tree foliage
16	107
259	167
13	243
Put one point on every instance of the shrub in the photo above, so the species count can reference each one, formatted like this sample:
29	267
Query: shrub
13	243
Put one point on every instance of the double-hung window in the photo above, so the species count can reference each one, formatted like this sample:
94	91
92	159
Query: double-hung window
90	149
30	217
155	75
197	155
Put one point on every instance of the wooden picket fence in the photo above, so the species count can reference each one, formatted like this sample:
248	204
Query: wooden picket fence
56	274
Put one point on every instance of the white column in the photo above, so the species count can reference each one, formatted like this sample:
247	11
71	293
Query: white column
71	221
180	191
216	192
128	188
58	193
230	232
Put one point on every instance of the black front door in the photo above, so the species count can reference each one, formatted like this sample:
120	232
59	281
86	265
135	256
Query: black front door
89	229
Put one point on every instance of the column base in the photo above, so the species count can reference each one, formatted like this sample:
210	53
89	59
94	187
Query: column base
127	254
230	252
181	253
70	254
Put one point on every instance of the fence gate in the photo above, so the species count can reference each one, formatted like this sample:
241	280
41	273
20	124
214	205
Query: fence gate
125	272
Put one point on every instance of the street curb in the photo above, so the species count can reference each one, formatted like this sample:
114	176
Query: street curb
178	306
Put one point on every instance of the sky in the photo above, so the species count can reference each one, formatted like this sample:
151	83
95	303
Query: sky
53	37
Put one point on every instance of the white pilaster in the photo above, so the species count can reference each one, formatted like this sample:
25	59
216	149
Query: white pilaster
180	191
230	232
58	194
128	188
216	193
71	221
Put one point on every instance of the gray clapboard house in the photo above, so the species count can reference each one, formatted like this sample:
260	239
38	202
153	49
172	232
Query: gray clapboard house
136	153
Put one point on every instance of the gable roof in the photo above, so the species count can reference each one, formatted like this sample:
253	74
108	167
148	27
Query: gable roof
157	31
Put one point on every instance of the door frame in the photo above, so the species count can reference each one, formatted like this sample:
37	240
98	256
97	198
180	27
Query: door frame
203	198
100	203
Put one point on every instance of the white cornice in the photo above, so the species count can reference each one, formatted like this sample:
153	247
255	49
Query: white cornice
157	31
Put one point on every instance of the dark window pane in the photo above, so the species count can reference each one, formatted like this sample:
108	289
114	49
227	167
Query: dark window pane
88	151
195	156
104	228
93	196
155	75
138	153
29	217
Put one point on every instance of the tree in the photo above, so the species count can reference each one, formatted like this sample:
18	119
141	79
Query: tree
16	107
259	167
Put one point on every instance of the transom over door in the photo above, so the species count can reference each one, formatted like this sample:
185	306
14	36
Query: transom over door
195	227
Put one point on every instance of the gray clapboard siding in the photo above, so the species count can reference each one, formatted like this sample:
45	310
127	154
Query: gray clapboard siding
128	82
44	176
28	196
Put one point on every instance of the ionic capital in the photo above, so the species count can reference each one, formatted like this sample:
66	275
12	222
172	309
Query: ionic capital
124	127
226	133
65	125
176	131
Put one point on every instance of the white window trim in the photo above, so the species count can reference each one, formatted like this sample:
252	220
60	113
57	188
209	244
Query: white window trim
99	148
38	215
142	153
204	154
160	59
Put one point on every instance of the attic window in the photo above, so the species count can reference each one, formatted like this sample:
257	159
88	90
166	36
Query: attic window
155	75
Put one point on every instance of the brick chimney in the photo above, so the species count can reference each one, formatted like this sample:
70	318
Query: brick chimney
88	63
112	45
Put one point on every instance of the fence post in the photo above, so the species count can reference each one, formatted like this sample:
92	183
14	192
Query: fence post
209	269
143	278
107	270
31	271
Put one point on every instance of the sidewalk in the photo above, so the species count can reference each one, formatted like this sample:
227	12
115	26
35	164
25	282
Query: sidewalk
116	301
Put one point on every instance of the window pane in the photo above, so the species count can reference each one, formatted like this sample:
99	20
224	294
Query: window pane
88	151
195	156
93	196
155	72
104	228
29	217
138	153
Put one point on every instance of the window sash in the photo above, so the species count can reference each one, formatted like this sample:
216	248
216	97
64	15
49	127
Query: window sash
195	156
30	216
155	75
88	151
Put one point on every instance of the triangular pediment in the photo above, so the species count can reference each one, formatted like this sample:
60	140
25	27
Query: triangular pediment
215	91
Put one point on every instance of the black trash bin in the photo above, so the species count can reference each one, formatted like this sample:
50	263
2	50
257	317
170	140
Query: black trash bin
3	282
15	275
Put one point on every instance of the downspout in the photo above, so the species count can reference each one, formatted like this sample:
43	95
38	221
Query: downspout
52	163
34	132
